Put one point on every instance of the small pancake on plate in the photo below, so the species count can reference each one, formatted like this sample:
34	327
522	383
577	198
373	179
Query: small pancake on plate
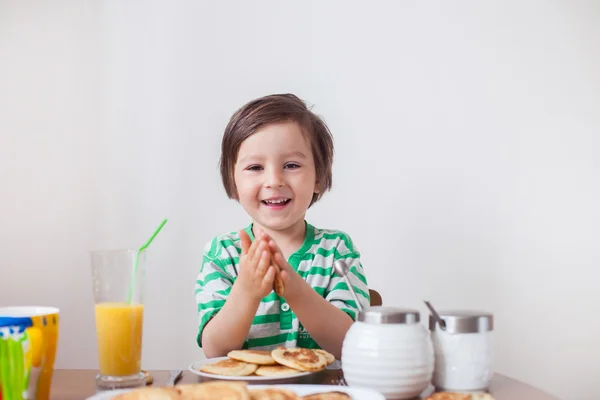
229	367
328	396
300	359
260	357
217	390
149	393
278	286
328	356
459	396
272	394
148	376
275	370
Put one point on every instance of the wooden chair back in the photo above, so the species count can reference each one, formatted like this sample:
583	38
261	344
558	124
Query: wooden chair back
376	299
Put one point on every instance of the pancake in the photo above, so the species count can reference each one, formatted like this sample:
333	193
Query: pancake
277	282
216	390
148	376
157	393
272	394
259	357
230	368
300	359
328	356
275	370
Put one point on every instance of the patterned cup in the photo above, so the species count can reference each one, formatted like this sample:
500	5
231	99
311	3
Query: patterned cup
28	340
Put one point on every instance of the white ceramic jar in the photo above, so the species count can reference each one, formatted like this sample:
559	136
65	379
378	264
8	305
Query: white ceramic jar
463	350
389	350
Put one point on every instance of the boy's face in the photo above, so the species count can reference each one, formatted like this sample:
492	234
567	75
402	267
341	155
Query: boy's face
275	176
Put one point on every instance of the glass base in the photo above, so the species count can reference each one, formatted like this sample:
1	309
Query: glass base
105	382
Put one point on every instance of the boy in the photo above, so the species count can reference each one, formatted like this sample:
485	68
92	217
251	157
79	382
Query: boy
276	162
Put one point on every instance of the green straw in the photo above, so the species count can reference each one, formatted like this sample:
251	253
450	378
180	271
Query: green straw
137	258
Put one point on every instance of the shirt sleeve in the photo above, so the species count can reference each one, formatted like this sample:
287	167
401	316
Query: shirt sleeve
337	292
213	285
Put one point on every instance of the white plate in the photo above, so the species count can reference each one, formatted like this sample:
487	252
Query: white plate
300	390
304	390
195	368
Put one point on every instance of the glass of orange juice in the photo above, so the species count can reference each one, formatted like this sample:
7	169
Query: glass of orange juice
119	308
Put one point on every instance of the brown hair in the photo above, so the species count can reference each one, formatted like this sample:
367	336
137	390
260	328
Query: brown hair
274	109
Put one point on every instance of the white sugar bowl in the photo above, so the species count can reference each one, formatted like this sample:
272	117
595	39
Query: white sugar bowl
463	350
387	349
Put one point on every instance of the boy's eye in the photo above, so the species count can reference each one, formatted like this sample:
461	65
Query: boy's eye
292	165
254	168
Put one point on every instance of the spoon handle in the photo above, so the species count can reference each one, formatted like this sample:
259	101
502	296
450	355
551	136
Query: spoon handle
437	317
175	374
353	293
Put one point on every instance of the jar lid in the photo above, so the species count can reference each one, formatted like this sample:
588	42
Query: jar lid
388	315
464	321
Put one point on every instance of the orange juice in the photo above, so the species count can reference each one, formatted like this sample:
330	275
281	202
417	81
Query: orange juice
119	331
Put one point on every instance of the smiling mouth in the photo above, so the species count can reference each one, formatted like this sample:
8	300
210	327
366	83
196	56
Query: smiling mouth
276	202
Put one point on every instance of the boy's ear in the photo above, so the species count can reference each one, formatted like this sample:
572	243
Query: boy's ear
317	188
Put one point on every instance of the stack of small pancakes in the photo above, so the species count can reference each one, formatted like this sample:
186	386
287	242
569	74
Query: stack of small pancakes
219	390
276	363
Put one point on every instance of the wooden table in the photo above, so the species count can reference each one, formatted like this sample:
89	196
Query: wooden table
78	384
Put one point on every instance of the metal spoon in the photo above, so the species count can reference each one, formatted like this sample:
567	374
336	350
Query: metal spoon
342	269
437	317
174	376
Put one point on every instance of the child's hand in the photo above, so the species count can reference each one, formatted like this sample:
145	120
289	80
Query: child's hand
291	279
256	272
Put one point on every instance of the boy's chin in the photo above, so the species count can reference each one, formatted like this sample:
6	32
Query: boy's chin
277	226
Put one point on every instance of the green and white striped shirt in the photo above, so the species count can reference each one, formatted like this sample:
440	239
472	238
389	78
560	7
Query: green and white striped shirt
275	322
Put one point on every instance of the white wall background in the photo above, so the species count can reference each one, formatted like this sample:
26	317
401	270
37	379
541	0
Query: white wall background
467	169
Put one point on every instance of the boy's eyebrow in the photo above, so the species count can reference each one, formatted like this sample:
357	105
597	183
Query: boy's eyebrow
253	157
295	153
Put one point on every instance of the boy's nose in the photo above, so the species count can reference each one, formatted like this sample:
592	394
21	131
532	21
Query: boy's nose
274	179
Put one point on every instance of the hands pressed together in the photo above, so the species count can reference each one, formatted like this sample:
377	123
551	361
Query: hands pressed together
264	268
